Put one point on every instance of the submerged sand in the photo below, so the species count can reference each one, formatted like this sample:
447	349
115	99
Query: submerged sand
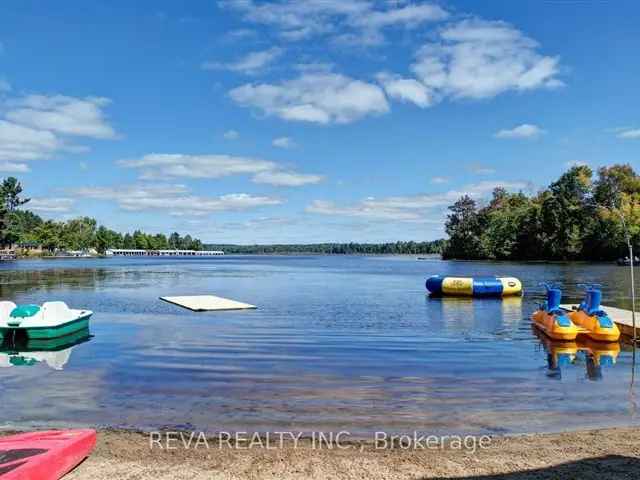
596	454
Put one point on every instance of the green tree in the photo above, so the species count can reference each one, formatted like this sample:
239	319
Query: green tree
464	230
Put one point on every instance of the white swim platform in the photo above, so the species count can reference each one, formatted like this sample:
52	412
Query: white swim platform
205	303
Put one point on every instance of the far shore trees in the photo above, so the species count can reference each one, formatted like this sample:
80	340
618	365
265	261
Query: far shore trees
577	217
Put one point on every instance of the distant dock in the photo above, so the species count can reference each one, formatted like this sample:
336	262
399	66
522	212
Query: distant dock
133	252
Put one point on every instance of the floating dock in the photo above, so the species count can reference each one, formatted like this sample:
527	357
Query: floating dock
136	252
622	318
207	303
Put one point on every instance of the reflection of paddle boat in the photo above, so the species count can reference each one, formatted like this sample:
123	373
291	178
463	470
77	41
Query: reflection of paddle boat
595	321
564	353
553	320
52	319
54	352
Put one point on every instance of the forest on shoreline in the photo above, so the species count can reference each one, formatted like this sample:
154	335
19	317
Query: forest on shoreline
580	216
20	227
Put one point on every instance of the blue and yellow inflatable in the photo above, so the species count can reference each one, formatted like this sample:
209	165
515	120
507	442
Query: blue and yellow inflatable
474	287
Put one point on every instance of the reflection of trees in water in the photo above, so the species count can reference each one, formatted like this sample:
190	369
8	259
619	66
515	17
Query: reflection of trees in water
23	281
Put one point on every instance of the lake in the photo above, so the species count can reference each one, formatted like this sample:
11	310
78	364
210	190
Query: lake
337	343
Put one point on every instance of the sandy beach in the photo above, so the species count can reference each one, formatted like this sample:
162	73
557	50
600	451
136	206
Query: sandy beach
596	454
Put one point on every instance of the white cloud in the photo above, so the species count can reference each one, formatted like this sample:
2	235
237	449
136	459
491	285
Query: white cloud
163	165
63	115
410	208
283	142
575	163
5	86
482	169
174	199
526	130
439	180
158	166
20	143
481	59
408	15
250	64
405	89
345	19
38	127
315	97
231	135
11	167
287	179
51	204
629	133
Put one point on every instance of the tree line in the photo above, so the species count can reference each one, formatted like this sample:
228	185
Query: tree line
395	248
580	216
22	227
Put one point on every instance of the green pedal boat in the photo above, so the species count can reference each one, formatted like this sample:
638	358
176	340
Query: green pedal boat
51	320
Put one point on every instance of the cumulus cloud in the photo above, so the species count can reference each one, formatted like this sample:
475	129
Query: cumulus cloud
174	199
163	165
410	208
286	179
629	133
283	142
526	130
314	97
480	59
250	64
354	19
51	204
82	117
405	89
37	127
21	143
231	135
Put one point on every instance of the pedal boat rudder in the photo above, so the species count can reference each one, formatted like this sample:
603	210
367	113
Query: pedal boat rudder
552	320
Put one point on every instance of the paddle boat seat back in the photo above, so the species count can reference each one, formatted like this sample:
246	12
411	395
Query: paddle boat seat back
58	312
554	297
6	308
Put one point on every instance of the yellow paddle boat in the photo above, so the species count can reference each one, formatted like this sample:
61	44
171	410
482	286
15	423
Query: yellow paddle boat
595	321
553	320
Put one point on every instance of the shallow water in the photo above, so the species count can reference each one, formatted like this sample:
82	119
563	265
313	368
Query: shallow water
337	343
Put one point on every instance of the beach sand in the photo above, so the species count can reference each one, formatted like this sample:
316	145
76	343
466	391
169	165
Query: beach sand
596	454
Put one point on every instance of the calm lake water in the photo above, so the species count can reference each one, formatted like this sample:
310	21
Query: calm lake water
337	343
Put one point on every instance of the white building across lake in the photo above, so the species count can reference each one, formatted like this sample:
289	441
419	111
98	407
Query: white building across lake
134	252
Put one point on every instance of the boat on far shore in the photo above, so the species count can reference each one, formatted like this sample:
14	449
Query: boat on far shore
7	255
626	262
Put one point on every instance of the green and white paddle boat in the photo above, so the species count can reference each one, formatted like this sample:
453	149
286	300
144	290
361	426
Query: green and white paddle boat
51	320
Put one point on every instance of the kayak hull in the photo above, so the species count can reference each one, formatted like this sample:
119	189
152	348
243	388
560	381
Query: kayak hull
47	455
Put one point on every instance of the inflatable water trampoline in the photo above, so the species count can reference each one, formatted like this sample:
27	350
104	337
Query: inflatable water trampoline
473	287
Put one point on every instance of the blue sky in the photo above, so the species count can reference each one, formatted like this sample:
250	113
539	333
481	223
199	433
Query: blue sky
324	120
